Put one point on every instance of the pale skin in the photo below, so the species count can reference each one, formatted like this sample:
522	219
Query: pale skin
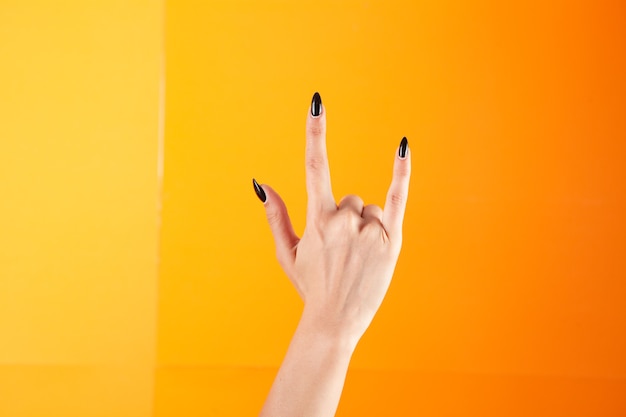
341	267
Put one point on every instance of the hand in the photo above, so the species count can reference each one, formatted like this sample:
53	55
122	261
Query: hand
343	264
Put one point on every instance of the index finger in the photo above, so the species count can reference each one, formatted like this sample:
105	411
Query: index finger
395	205
319	191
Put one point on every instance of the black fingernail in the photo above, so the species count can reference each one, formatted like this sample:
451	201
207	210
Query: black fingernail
316	105
404	144
259	191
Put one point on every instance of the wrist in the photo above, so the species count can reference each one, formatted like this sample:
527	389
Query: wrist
323	330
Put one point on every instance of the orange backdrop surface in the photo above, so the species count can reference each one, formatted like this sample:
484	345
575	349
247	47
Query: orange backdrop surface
509	296
117	298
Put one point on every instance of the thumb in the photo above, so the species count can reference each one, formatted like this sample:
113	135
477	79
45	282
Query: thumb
285	238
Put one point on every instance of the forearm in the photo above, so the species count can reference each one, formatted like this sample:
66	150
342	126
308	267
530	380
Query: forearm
312	375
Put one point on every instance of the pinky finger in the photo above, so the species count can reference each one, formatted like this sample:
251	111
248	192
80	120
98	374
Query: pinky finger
395	204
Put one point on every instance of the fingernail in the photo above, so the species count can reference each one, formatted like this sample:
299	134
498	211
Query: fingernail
259	191
404	144
316	105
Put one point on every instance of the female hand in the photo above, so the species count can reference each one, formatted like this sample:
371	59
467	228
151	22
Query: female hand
343	264
341	267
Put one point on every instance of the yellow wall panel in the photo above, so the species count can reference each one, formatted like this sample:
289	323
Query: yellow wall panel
79	108
76	390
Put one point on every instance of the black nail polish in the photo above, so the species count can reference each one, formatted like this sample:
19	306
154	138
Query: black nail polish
316	105
259	191
404	144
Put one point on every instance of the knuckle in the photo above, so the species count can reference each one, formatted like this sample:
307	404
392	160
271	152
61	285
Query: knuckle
372	227
351	198
397	199
403	170
273	217
373	210
316	163
348	217
315	129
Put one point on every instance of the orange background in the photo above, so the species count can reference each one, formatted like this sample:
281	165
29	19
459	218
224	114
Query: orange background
509	297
